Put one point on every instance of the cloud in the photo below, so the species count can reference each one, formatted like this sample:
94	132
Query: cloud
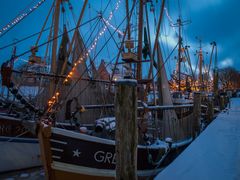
170	40
198	6
226	63
214	20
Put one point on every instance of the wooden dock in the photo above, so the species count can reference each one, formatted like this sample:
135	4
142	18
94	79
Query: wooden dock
215	154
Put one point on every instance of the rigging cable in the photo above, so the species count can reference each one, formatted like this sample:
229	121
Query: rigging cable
49	44
19	55
23	39
86	55
108	52
64	99
165	61
93	60
96	81
19	18
112	34
70	6
44	24
114	18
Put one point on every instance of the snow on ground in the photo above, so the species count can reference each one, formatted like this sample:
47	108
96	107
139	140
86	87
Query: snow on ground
214	155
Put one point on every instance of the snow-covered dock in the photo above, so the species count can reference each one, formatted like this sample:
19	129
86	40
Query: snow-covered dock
215	154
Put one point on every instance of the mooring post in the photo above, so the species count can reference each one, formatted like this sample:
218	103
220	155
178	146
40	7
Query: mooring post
222	105
210	111
126	129
196	114
226	101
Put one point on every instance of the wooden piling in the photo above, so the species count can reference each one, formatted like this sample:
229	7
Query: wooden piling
126	129
222	104
210	112
226	101
196	114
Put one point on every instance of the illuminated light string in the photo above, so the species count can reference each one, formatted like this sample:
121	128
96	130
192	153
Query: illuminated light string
168	16
114	28
171	22
20	17
55	97
93	46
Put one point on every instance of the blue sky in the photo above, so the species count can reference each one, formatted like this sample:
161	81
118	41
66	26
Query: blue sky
216	20
212	20
33	23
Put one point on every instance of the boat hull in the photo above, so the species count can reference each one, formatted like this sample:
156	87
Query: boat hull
62	175
73	155
18	153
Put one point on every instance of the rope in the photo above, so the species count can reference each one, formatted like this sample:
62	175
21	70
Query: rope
44	24
90	64
19	55
94	59
23	39
157	163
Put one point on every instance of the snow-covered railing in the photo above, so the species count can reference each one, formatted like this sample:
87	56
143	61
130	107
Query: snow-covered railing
146	107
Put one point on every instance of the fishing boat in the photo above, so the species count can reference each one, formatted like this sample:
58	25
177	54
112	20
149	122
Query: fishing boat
24	97
19	146
74	111
88	149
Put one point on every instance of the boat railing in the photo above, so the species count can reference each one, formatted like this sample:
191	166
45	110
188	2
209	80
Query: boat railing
141	108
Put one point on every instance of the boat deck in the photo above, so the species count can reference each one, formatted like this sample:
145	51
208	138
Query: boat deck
215	154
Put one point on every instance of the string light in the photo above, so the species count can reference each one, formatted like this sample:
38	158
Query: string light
93	46
52	101
21	17
168	16
114	28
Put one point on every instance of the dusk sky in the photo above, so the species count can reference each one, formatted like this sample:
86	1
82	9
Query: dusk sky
211	20
216	20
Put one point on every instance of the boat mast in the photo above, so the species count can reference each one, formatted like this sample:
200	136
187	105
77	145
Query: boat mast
54	47
215	74
128	23
128	31
200	65
151	59
179	22
74	36
157	48
186	51
140	31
